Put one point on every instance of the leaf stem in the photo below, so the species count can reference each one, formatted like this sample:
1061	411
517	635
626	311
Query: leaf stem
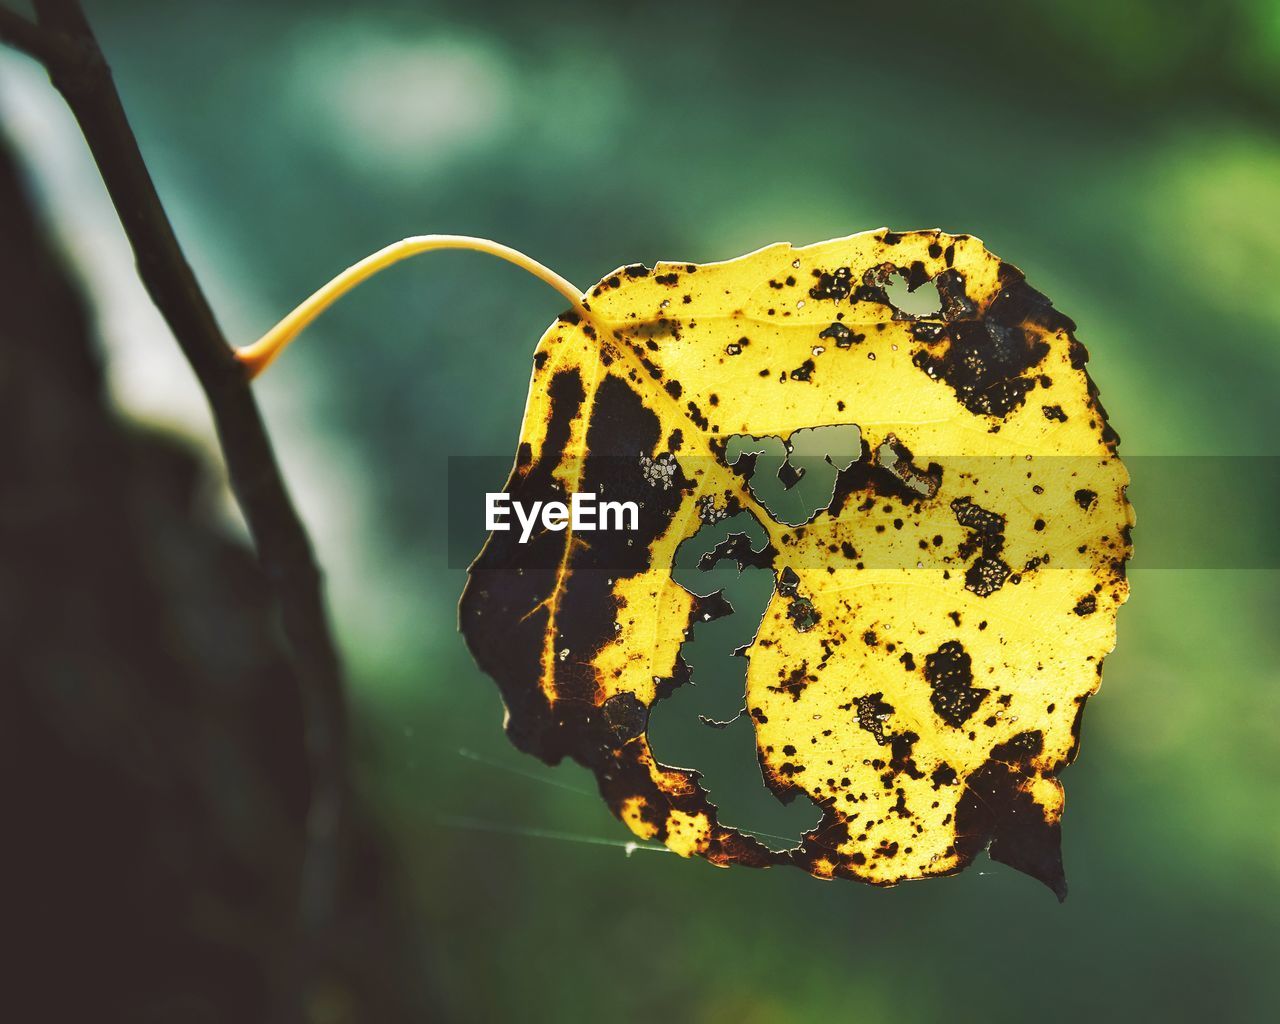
258	356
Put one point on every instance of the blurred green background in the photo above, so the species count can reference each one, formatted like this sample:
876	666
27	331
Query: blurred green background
1125	155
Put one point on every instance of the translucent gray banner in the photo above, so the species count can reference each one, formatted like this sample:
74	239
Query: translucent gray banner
1192	512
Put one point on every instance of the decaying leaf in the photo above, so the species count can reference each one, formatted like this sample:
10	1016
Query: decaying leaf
935	628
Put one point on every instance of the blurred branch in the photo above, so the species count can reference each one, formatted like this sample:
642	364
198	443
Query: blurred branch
26	36
63	41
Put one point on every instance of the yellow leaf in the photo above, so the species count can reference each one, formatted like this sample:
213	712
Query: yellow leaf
938	619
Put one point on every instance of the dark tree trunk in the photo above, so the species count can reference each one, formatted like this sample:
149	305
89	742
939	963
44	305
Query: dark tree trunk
155	772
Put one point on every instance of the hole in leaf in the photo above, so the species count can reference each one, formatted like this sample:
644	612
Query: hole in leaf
916	302
795	479
700	725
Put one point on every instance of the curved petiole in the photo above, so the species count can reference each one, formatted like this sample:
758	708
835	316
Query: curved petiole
258	356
